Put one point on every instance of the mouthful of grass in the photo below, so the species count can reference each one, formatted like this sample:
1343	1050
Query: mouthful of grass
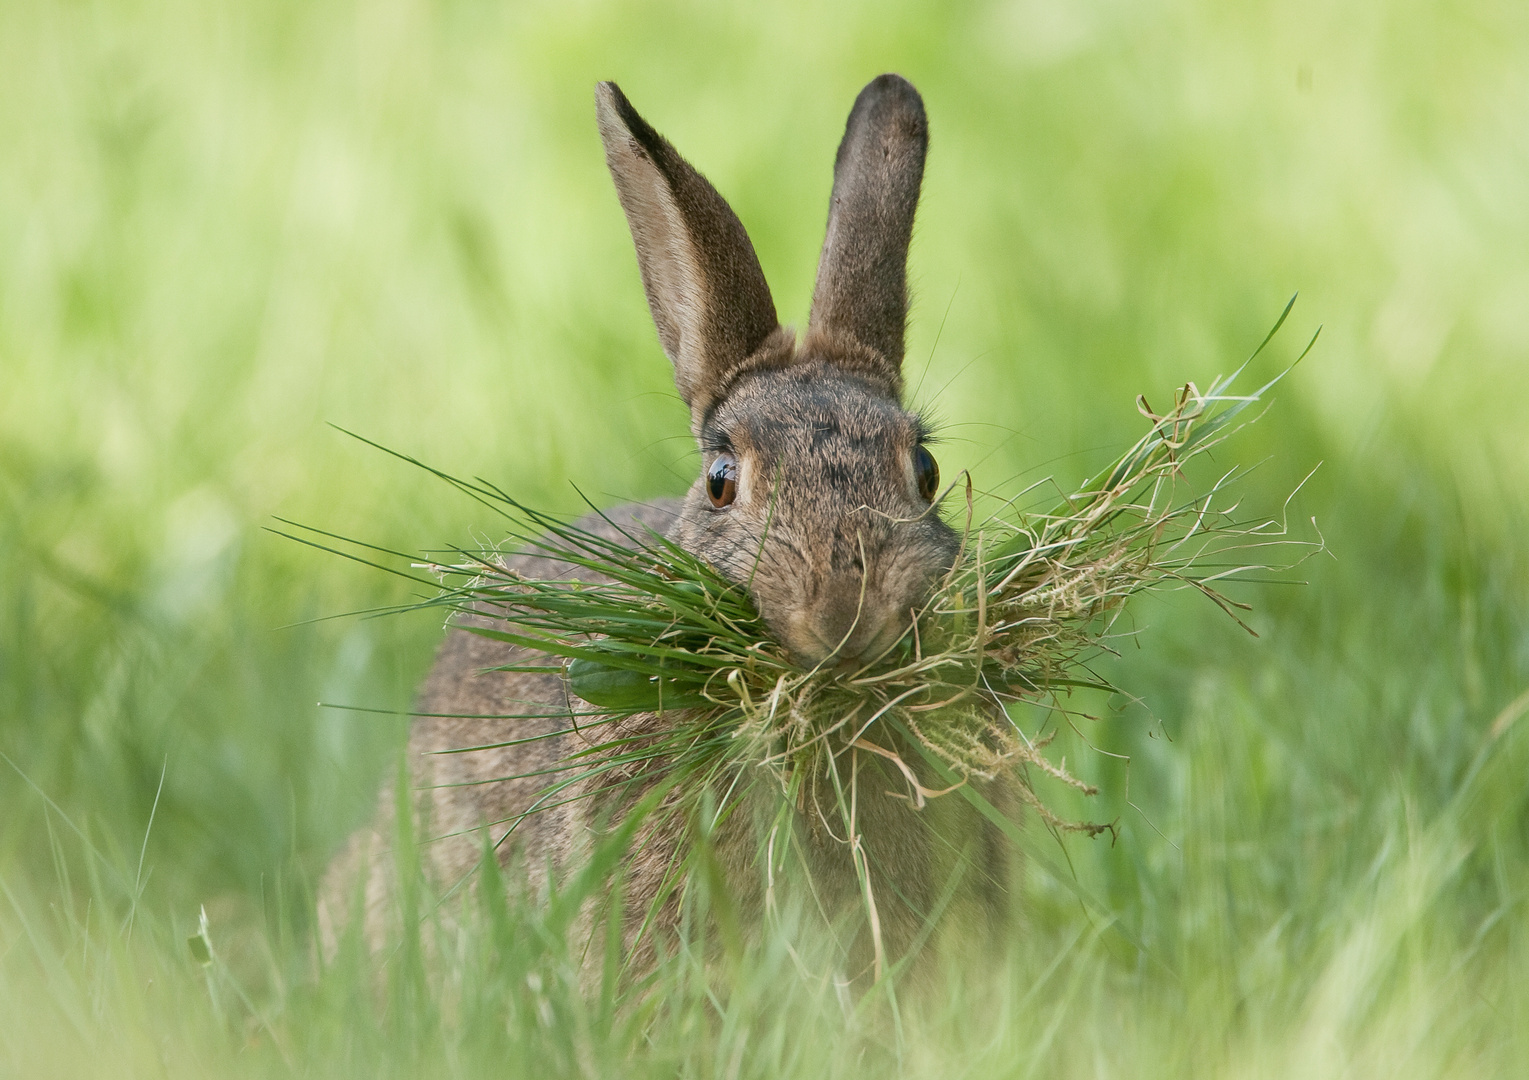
686	689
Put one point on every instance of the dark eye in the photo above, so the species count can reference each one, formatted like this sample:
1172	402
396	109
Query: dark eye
927	472
722	480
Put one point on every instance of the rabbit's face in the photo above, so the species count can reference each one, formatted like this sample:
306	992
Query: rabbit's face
830	521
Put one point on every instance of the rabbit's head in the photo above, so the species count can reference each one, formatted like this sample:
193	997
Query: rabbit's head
816	488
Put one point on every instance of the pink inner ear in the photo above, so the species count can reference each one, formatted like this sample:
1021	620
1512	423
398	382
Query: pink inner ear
705	289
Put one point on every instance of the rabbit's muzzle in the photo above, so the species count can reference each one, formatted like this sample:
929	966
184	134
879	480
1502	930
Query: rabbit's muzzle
846	629
851	611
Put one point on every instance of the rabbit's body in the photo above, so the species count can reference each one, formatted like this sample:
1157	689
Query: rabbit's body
816	491
471	788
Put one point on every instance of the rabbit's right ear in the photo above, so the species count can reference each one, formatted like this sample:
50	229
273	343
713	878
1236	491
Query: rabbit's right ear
707	293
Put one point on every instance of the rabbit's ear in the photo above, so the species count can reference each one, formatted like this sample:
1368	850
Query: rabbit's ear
860	303
705	288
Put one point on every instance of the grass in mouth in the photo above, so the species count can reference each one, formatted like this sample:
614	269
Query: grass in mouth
1032	599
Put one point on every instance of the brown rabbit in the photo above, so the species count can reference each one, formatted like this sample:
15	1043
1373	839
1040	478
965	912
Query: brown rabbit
815	487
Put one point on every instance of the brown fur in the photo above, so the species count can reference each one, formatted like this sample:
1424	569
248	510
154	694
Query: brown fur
828	529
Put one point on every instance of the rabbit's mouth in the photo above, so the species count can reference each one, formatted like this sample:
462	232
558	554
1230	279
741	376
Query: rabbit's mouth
846	641
850	613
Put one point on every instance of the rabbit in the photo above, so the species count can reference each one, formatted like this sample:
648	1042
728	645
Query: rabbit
816	488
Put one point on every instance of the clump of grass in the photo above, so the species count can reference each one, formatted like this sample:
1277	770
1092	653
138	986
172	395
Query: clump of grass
1030	602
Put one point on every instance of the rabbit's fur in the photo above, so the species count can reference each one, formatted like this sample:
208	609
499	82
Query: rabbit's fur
828	529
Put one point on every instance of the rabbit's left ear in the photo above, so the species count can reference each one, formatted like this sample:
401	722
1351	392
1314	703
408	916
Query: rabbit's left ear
860	302
707	293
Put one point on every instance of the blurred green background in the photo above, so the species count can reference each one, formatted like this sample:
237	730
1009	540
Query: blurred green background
225	227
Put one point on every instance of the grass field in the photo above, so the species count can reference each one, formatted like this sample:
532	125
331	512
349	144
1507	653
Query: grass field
225	227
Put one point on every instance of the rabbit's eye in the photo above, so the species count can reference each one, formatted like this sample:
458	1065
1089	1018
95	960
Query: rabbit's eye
927	472
722	480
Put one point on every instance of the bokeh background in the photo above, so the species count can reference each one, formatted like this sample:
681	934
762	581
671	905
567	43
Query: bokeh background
227	228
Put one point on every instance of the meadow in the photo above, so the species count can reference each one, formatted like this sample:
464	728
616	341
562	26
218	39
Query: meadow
227	230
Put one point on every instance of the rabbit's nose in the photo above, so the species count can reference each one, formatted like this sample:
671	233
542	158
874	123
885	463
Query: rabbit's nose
846	624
